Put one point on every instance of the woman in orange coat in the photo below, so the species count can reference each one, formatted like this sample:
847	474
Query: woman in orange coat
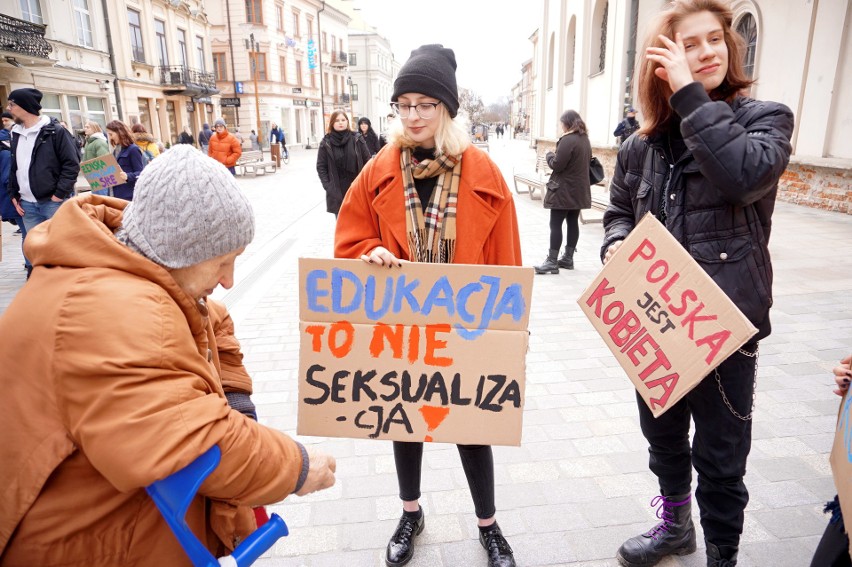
224	146
429	196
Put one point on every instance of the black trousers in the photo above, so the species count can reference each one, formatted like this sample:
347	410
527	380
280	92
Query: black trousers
478	464
833	548
570	218
719	449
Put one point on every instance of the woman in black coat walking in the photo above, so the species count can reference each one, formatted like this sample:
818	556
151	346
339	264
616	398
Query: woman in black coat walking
339	160
568	190
365	130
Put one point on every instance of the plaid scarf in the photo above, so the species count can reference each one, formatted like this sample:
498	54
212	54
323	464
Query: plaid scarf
431	234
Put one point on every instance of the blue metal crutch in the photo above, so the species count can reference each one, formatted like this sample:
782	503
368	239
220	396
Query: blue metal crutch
173	494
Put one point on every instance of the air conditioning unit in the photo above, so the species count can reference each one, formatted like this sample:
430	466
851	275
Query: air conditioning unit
175	78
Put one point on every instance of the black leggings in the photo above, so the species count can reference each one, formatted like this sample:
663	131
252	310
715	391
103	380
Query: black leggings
557	216
478	464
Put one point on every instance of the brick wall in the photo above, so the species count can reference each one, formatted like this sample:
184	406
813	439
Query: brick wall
821	186
818	186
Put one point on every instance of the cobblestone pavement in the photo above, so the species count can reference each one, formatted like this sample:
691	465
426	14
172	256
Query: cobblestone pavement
579	484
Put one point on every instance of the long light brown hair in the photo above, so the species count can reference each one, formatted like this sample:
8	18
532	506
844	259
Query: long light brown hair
654	93
125	137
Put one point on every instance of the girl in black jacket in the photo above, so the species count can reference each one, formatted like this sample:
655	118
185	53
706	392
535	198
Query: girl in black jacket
365	130
706	163
339	160
568	190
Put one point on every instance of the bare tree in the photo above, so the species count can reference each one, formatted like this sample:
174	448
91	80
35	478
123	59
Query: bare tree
471	104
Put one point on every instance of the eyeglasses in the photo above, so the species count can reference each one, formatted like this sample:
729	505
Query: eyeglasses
424	110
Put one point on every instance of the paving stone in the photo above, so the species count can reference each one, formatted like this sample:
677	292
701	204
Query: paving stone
792	522
783	494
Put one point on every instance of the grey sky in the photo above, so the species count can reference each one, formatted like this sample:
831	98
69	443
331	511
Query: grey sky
490	38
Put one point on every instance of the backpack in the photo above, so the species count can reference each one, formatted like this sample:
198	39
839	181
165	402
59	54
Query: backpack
147	156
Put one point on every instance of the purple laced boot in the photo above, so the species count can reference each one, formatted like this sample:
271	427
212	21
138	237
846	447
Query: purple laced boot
674	535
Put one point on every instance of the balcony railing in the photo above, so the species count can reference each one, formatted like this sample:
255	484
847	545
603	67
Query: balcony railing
26	38
188	81
339	59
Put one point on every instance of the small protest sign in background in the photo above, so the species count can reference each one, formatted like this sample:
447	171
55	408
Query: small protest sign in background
841	461
101	172
665	320
426	352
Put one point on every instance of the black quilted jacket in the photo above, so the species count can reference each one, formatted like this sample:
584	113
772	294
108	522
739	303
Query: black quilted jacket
718	199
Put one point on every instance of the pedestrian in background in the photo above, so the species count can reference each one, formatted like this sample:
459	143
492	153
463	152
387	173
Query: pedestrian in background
568	190
186	136
365	130
126	367
96	146
389	122
276	136
706	164
129	157
8	212
225	147
204	137
253	140
146	142
45	161
340	158
452	205
627	126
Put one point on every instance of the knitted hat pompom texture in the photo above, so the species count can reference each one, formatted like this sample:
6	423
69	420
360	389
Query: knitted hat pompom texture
430	71
186	209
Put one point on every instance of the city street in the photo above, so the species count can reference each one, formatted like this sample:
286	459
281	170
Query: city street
579	485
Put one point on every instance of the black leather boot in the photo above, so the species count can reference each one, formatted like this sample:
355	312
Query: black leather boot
567	259
499	552
721	556
675	535
401	544
550	265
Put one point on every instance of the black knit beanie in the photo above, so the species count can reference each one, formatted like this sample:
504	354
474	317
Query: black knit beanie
28	99
430	71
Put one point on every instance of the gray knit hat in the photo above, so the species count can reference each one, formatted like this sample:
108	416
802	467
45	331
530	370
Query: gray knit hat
186	208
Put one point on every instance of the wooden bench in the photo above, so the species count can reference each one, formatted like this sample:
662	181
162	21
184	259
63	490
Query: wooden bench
535	181
253	161
599	206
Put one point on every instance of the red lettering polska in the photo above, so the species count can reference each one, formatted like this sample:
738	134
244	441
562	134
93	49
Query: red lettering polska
681	301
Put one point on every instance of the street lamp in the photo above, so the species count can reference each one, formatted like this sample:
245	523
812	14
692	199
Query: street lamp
252	47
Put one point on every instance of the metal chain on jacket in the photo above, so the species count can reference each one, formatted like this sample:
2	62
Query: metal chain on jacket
754	390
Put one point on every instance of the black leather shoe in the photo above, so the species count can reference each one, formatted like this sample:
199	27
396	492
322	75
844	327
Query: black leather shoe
401	544
499	552
675	535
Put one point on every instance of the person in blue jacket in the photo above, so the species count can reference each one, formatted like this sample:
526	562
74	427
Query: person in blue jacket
129	158
8	212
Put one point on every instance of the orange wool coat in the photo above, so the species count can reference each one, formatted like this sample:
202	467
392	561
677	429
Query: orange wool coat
113	378
224	148
373	212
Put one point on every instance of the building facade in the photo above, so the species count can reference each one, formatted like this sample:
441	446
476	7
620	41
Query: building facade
140	61
797	51
372	69
297	55
70	64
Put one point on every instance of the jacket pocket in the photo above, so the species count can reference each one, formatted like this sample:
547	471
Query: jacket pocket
732	265
642	196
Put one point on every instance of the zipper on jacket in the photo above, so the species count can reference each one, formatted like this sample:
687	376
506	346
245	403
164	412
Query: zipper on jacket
665	195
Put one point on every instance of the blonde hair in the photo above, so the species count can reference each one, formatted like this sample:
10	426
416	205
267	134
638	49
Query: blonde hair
451	137
93	125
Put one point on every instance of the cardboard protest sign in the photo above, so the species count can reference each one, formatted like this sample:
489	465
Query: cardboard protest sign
426	352
101	172
841	460
665	320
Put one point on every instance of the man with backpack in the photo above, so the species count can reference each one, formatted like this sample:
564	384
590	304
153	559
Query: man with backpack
45	160
204	137
627	126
